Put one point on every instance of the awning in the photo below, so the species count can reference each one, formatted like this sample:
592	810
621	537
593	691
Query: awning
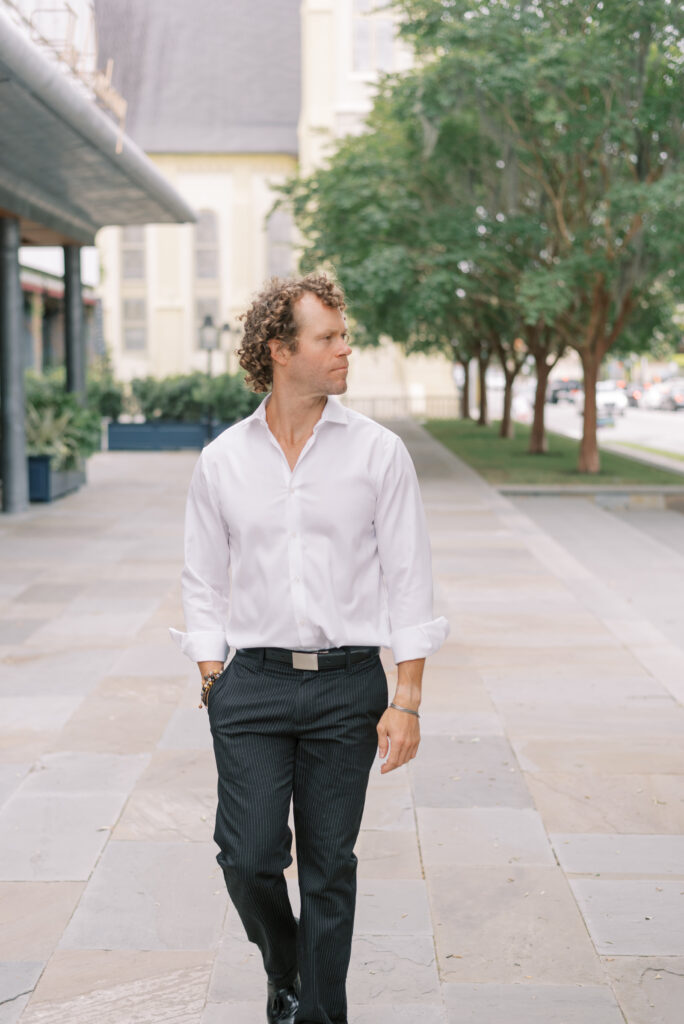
59	169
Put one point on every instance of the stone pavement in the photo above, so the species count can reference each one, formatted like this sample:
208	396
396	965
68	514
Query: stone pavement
527	868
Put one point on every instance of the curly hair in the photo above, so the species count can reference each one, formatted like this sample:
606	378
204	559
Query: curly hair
272	315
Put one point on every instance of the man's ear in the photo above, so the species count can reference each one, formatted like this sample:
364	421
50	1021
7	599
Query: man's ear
279	351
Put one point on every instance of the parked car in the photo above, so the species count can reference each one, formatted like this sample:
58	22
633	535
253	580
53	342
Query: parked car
673	394
653	396
563	390
635	394
611	400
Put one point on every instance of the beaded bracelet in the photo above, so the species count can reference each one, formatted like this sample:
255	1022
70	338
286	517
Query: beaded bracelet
207	683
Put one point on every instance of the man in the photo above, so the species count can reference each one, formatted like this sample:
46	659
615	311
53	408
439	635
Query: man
316	512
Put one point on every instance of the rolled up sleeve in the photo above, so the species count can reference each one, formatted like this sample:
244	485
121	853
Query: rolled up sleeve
406	559
205	578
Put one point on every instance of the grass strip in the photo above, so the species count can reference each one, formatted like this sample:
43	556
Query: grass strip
502	461
653	451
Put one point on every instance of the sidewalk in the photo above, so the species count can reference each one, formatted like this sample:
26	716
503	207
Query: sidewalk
527	868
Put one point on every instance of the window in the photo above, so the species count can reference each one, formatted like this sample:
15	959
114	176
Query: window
279	244
207	246
134	325
372	37
204	307
133	252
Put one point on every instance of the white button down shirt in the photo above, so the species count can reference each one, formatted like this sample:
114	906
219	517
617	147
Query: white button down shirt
331	553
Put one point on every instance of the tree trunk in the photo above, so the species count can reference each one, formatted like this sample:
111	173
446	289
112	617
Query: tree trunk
538	443
507	428
482	364
465	393
589	461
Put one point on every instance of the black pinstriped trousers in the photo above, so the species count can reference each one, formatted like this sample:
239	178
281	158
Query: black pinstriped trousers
279	734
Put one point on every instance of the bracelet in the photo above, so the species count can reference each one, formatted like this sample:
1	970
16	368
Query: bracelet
397	707
207	683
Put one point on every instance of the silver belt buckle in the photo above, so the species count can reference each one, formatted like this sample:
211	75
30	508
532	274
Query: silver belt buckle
305	660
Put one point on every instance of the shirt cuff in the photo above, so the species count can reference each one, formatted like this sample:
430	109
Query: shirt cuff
203	645
419	641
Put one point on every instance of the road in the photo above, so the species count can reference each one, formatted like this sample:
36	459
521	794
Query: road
650	427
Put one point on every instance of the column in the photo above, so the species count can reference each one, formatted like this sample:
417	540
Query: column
13	455
74	335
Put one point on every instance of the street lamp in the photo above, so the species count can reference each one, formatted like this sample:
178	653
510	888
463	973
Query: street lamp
209	339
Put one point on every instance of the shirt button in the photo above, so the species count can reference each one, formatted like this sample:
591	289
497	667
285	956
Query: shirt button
302	621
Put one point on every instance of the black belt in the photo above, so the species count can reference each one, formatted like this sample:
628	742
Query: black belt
332	657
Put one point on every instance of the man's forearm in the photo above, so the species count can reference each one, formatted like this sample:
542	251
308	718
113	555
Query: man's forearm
409	683
209	666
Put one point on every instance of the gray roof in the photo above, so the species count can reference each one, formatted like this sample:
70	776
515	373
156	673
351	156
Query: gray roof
212	76
60	172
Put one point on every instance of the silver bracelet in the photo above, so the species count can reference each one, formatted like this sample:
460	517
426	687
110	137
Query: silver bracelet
397	707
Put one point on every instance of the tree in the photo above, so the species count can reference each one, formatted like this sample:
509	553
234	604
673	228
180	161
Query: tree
583	101
397	213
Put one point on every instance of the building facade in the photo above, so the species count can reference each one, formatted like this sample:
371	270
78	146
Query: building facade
228	100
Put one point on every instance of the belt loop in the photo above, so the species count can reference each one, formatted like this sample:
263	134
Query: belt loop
347	653
262	655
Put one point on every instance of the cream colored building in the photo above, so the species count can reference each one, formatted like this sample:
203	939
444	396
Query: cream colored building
247	100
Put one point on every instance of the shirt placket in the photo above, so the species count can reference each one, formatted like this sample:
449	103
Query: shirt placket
295	540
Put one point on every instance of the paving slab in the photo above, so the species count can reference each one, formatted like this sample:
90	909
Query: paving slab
33	916
17	981
388	853
11	776
41	713
633	918
457	772
511	924
174	799
531	1004
618	755
599	803
484	836
151	896
620	854
116	986
392	907
121	716
187	729
88	772
650	989
50	837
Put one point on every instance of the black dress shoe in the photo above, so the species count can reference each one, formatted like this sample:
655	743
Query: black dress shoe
282	1003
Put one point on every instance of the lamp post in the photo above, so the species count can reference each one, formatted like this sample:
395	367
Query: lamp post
209	339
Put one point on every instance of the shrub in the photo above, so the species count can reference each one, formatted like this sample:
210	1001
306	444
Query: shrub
188	397
56	424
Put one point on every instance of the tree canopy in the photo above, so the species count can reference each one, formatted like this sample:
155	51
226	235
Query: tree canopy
524	179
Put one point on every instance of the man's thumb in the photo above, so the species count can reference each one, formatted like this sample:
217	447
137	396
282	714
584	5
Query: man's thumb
382	741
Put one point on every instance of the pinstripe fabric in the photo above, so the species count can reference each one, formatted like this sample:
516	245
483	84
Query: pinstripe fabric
281	733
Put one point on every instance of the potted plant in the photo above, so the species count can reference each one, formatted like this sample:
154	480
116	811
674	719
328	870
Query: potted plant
60	434
181	411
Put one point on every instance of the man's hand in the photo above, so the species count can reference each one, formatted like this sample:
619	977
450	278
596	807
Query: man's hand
403	732
402	729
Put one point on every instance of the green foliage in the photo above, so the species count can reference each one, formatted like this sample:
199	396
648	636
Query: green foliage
583	103
105	393
188	397
56	424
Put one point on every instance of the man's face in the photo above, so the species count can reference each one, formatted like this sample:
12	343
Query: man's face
320	364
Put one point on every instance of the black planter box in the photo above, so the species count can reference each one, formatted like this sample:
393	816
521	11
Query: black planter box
46	484
159	435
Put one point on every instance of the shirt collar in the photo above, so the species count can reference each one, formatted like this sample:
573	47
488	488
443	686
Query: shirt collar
333	410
